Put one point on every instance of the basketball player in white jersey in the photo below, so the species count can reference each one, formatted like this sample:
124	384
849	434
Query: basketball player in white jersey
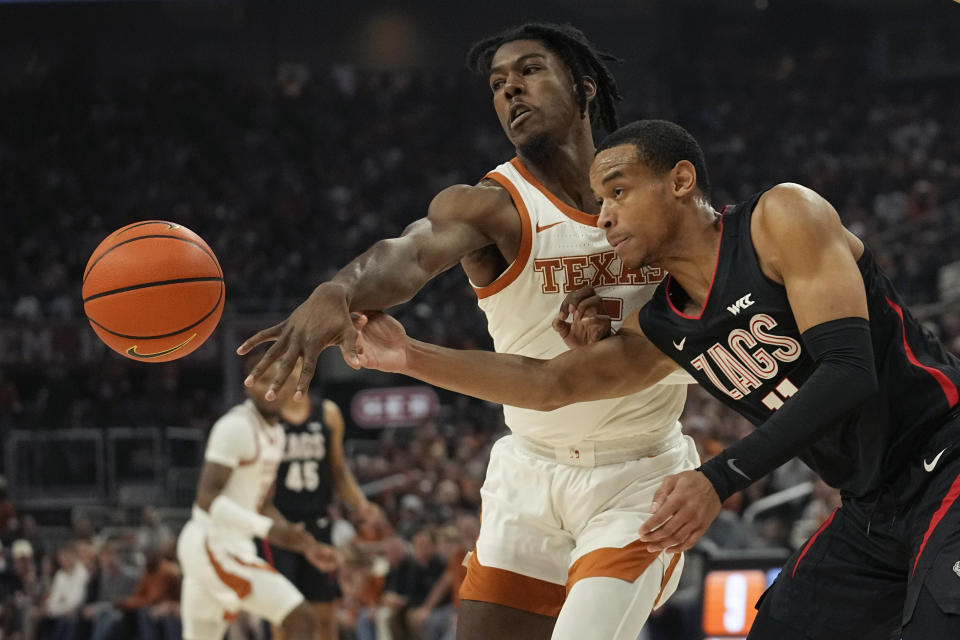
565	494
222	573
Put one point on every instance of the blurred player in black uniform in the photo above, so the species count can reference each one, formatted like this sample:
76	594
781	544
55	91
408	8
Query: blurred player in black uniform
313	472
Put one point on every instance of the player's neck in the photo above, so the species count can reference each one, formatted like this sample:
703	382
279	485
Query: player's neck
692	260
565	170
269	415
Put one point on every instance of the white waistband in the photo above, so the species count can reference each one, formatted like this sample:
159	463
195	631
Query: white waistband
596	453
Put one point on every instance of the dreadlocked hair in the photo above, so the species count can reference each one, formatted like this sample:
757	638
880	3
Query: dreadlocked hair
581	58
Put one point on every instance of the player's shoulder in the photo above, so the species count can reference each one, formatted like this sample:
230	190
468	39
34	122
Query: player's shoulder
332	415
237	417
467	202
788	206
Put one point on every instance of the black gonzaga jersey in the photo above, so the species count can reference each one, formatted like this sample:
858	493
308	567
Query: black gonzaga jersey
305	478
745	349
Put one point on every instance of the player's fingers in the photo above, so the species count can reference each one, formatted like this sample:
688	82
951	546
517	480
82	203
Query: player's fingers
663	491
265	335
591	305
306	375
574	297
577	317
690	542
561	326
348	346
596	327
359	320
284	368
666	530
269	357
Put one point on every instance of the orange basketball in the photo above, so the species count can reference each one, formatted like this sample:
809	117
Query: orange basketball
153	291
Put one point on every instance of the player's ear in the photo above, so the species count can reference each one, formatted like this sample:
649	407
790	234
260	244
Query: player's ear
589	87
684	178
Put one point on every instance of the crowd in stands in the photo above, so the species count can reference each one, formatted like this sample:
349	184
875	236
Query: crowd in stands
288	183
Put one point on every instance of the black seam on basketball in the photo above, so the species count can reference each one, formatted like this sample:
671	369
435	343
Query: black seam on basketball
170	225
155	283
165	335
120	244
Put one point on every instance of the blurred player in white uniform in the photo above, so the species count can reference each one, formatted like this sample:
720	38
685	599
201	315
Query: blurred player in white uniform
222	573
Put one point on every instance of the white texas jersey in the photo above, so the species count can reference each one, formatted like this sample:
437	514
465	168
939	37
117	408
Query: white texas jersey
562	250
242	440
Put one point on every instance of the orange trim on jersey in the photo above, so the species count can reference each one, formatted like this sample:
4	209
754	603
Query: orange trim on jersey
499	586
666	577
240	586
254	565
526	241
582	217
625	563
230	616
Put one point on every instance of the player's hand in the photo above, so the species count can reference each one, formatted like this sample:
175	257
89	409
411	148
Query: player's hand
322	556
418	616
683	507
322	320
372	514
381	342
290	536
589	321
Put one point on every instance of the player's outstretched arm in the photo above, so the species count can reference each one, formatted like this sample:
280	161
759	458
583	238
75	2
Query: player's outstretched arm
617	366
461	219
801	243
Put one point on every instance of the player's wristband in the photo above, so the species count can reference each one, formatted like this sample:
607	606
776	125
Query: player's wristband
225	511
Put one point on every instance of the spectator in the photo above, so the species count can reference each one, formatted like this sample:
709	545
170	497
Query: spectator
409	586
155	603
152	533
66	593
24	610
8	514
28	533
111	582
10	585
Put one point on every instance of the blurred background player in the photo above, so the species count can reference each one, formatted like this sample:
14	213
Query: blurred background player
314	471
566	492
222	573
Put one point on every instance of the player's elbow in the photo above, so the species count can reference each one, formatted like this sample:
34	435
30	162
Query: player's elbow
553	391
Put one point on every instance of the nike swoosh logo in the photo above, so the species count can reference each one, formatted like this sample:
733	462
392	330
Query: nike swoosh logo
679	345
547	226
928	466
730	463
134	353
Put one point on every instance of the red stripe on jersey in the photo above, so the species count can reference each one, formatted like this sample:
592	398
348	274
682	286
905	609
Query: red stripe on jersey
811	540
716	267
949	389
945	505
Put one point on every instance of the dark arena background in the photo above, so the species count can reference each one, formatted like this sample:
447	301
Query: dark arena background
291	135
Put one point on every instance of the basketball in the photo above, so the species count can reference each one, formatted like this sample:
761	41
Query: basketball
153	291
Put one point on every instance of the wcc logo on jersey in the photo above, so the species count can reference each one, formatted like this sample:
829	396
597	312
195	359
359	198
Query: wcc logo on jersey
569	273
740	304
751	357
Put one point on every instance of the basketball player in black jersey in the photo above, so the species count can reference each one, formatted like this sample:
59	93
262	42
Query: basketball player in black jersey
781	313
313	472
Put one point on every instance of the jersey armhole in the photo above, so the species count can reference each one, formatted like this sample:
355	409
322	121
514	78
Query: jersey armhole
526	241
